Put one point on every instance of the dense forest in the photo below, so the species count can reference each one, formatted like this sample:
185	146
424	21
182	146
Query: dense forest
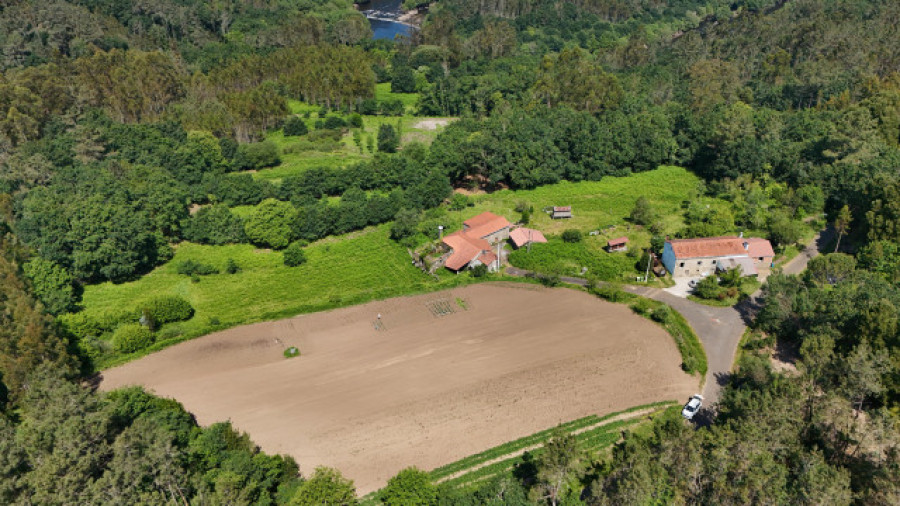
129	127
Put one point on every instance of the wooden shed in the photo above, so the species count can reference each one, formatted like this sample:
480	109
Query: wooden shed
561	212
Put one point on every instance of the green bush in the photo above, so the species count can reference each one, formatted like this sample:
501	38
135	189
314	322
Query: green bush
295	126
167	309
232	267
479	271
53	285
571	235
410	487
334	123
388	139
132	337
291	352
355	120
81	325
294	255
271	224
256	156
661	314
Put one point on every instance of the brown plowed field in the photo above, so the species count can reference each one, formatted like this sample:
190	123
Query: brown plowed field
426	390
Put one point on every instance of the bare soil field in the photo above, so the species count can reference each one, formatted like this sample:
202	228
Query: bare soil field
442	376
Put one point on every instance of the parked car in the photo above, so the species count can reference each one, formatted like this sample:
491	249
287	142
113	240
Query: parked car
692	283
692	406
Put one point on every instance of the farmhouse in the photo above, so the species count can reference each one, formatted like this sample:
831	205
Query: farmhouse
704	256
561	212
523	236
472	246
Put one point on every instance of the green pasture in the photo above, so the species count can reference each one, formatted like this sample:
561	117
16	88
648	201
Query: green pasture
596	205
412	129
343	271
383	93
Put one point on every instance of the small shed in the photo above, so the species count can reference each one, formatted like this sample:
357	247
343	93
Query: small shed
617	244
561	212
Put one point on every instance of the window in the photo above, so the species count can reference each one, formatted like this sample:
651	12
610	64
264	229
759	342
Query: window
760	259
681	264
699	262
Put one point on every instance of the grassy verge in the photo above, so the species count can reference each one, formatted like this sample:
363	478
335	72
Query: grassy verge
693	358
595	439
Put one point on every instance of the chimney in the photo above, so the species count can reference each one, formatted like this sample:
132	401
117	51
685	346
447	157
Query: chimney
746	245
741	236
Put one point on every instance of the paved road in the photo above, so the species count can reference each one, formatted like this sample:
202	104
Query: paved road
719	328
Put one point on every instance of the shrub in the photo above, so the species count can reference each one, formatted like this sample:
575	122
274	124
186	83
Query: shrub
571	235
53	285
214	225
270	224
194	268
258	155
232	267
708	288
392	107
388	139
334	123
81	325
479	271
402	80
458	202
325	135
132	337
291	352
167	309
405	224
661	314
409	487
356	120
294	255
295	126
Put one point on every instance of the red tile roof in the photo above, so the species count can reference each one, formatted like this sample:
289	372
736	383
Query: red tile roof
522	236
707	247
484	224
618	241
465	249
560	209
757	247
487	258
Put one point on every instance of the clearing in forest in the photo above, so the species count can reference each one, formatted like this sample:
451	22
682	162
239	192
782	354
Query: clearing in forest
427	390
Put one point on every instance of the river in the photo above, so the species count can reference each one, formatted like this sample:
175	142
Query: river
383	16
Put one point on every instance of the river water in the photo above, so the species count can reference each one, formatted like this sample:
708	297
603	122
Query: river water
383	16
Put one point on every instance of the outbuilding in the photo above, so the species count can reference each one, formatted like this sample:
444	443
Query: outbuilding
616	245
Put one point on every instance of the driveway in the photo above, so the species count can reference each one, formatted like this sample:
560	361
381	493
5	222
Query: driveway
719	329
682	287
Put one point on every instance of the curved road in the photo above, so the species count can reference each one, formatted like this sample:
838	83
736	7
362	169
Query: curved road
719	328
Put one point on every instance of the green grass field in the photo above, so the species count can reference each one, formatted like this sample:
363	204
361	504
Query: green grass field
596	205
347	153
341	271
